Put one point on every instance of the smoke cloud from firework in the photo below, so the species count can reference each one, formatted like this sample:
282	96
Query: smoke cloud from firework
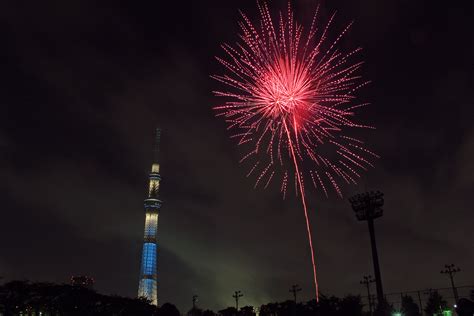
290	100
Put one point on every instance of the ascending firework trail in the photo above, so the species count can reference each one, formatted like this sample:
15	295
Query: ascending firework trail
290	100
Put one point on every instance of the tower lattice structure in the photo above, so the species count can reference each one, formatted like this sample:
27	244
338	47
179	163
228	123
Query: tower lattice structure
148	284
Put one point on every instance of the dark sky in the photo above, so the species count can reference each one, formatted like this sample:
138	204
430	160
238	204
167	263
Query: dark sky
83	87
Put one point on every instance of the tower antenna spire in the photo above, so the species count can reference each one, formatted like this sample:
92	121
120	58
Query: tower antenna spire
156	147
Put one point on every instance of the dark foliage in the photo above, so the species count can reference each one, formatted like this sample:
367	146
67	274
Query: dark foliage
195	312
247	311
208	312
351	305
465	307
383	309
435	304
327	306
60	299
168	309
229	311
57	300
409	307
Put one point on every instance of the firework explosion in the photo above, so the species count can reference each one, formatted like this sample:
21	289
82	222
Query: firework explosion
290	100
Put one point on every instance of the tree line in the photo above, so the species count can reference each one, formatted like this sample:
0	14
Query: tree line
48	299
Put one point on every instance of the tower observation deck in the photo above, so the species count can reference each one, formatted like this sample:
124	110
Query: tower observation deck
148	283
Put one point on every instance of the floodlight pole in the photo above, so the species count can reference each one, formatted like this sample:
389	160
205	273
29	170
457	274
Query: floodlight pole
368	206
375	256
367	280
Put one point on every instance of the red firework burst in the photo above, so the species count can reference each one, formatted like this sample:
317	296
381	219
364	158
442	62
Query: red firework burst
291	100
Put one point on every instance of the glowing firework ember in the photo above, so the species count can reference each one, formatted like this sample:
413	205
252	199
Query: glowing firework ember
290	100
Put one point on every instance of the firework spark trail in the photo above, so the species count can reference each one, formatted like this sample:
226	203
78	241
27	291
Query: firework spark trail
308	226
291	99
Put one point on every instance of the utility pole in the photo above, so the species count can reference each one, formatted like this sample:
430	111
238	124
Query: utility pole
419	300
401	301
237	295
368	206
366	281
194	301
295	289
451	270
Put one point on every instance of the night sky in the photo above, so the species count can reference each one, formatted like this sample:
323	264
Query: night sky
84	86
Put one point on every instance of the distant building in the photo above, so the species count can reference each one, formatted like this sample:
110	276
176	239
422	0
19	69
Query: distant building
82	280
148	284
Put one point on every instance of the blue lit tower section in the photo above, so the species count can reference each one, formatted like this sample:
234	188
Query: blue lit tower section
148	273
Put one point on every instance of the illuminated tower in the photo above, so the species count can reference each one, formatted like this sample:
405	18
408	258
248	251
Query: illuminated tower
148	274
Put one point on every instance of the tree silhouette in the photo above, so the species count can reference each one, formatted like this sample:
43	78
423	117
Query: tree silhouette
168	309
383	309
269	309
409	307
436	304
23	297
465	307
327	306
247	311
208	312
351	306
195	312
286	308
229	311
14	296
